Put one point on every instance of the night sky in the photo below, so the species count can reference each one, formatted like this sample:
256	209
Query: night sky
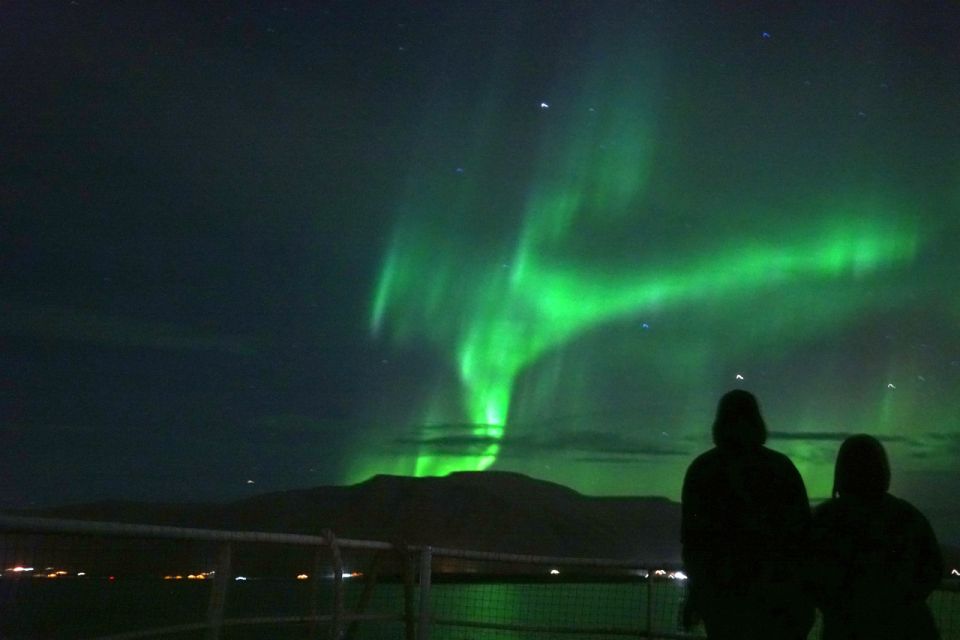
253	247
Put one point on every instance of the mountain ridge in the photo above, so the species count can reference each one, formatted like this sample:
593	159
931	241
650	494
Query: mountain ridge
497	511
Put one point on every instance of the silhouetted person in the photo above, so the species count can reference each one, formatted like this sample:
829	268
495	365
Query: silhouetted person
876	556
745	519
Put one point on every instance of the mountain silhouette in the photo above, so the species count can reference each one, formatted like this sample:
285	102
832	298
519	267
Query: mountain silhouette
485	511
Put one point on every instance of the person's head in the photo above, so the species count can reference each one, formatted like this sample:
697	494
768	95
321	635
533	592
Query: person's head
862	468
738	424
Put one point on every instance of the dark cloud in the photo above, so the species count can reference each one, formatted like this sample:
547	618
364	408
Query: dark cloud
458	439
627	458
831	436
76	325
450	439
827	436
945	441
929	447
918	450
596	441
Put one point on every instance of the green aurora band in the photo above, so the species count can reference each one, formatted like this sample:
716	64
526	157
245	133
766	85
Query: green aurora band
496	322
493	307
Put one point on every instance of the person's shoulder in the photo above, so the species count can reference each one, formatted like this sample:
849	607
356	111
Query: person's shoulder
710	456
707	460
830	516
826	509
901	509
779	461
775	456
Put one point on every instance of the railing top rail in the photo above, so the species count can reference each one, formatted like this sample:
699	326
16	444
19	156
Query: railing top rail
518	558
32	524
29	524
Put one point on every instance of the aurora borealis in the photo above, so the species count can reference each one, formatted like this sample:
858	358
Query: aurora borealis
609	242
281	246
519	313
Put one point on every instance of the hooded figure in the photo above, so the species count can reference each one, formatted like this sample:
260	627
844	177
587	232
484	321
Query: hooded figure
745	520
876	557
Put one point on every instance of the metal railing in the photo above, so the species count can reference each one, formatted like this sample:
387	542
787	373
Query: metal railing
322	586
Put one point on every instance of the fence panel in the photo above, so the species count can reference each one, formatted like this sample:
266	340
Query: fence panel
62	579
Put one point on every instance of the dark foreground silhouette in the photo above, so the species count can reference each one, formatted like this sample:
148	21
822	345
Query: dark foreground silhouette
875	556
745	520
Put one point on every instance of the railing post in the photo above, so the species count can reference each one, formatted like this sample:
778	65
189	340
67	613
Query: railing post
406	568
426	567
371	576
218	592
336	623
649	603
316	585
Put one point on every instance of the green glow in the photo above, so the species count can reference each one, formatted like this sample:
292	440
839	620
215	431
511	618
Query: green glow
496	321
493	301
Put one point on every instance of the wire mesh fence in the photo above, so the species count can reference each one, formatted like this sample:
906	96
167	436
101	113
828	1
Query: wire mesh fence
524	597
83	586
90	580
61	579
945	604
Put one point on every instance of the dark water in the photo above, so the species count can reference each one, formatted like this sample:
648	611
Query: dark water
89	608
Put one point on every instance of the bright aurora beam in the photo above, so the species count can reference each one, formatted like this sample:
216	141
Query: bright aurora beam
496	307
496	322
494	319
